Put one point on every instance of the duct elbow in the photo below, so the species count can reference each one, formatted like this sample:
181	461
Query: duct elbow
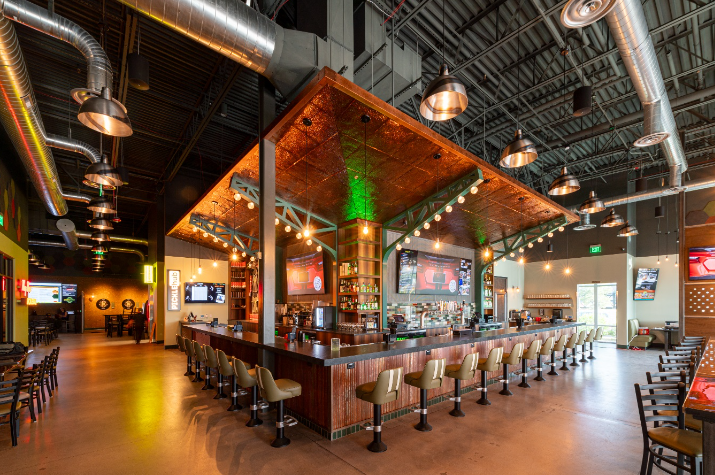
69	234
76	197
72	145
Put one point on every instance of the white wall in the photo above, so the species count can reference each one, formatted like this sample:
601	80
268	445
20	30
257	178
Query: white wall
654	313
514	273
188	265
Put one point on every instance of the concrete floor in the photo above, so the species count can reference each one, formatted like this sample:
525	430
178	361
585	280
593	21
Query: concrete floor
126	408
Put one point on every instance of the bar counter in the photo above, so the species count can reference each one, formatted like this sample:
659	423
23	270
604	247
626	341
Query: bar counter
700	402
329	378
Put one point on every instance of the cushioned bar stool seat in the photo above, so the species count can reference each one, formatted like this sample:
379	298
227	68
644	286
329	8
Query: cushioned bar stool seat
579	342
545	350
211	367
246	378
531	353
558	346
597	337
570	345
225	370
199	357
431	377
180	341
589	339
485	365
461	372
190	360
385	389
278	391
512	358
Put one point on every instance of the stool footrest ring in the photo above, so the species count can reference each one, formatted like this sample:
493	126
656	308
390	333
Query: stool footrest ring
456	399
420	411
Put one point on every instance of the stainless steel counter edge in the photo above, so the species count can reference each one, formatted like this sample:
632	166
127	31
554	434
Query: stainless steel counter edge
322	354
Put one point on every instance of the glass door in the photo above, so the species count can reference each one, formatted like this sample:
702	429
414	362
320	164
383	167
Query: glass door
596	307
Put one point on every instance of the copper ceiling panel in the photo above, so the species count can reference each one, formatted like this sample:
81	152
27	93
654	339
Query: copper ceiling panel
401	171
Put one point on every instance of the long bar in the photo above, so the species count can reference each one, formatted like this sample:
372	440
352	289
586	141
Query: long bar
700	402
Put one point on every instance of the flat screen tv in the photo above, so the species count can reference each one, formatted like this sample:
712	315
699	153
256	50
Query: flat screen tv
426	273
646	280
46	293
204	292
701	263
305	274
69	293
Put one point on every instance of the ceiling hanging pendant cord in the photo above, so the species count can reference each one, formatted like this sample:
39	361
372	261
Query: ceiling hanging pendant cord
365	229
306	232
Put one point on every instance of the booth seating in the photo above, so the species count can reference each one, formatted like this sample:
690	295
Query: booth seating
199	357
431	377
385	389
641	341
512	358
461	372
531	353
579	342
278	391
559	346
570	345
545	350
246	378
490	363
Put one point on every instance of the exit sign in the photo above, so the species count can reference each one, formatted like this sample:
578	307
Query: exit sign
595	249
2	220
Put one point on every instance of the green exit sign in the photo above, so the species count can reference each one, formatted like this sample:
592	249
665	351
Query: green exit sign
595	249
2	220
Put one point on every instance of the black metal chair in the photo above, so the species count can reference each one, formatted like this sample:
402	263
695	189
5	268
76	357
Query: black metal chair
9	407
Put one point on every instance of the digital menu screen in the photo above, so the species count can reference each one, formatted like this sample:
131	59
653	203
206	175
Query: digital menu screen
305	274
46	293
646	280
203	292
425	273
69	293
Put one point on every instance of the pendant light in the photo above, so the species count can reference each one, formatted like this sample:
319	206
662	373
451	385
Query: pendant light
612	220
592	205
100	223
105	115
365	230
104	174
32	258
100	236
138	67
550	247
627	231
520	151
564	184
445	97
582	101
101	204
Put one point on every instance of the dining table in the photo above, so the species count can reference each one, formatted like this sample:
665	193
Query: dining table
11	362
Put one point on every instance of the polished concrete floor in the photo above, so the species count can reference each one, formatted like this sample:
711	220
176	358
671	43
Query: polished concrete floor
123	408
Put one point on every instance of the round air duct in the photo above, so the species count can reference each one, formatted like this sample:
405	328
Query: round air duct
582	101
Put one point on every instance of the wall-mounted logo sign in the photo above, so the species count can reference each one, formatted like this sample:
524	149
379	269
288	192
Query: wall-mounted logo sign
31	301
103	304
173	290
148	274
128	304
23	287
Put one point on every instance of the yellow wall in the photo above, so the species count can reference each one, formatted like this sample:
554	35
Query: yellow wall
9	248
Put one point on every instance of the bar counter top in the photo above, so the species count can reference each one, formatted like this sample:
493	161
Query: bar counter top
322	354
700	401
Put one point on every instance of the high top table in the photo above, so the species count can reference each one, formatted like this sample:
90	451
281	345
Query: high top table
701	404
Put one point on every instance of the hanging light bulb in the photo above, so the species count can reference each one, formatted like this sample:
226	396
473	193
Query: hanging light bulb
225	244
531	244
658	261
398	247
251	205
437	217
436	244
503	258
306	232
444	98
547	266
511	254
234	256
287	229
407	240
253	258
676	264
666	258
561	229
521	250
277	221
448	208
486	253
567	270
612	220
521	260
319	248
426	226
460	200
540	239
299	236
243	254
473	190
237	197
564	184
193	277
365	230
194	229
235	250
206	234
550	234
199	270
519	152
215	239
417	233
215	263
309	242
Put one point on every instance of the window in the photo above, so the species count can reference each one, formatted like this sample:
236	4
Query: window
596	307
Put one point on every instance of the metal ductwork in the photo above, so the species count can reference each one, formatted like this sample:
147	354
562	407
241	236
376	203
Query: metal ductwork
287	58
69	234
72	145
628	26
76	197
137	252
122	239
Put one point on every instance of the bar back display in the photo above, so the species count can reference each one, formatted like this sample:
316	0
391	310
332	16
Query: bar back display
426	273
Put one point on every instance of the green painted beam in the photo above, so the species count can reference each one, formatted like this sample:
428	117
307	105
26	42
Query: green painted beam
242	241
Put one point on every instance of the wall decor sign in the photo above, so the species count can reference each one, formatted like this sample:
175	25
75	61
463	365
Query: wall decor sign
103	304
128	304
173	290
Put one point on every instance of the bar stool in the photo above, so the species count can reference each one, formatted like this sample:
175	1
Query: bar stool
488	364
431	377
199	357
225	370
385	389
246	378
278	391
589	339
570	345
182	348
579	342
530	354
512	358
211	363
189	349
559	346
546	349
466	371
598	337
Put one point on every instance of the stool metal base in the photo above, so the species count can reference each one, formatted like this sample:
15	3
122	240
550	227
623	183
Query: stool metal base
524	373
188	367
197	376
484	401
565	359
235	406
207	384
457	411
591	357
254	421
539	370
573	357
423	426
553	371
505	388
280	442
376	446
583	354
219	388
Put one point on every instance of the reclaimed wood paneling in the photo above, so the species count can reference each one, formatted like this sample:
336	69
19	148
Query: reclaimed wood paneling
314	402
700	326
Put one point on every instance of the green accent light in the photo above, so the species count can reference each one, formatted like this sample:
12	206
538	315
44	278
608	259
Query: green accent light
2	220
595	249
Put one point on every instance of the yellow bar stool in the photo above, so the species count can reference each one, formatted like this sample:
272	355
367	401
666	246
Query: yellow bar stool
385	389
579	342
488	364
461	372
570	345
199	358
246	378
431	377
546	350
559	346
278	391
531	353
512	358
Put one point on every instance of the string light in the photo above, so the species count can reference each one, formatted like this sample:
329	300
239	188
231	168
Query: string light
398	247
448	209
503	258
460	200
561	229
474	190
521	260
287	229
511	254
306	232
237	197
215	239
225	244
194	229
437	217
550	234
277	221
299	236
235	250
309	242
253	258
319	248
426	226
407	240
417	233
234	256
540	239
206	234
243	254
521	250
251	205
531	244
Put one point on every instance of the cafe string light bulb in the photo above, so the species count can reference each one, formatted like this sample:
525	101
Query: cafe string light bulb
365	230
521	250
511	254
277	221
215	239
398	247
235	250
253	258
299	236
194	229
417	233
243	254
561	229
437	217
287	229
309	242
251	205
448	209
426	226
237	197
474	190
206	234
225	244
460	200
540	239
503	258
550	234
407	240
319	248
531	244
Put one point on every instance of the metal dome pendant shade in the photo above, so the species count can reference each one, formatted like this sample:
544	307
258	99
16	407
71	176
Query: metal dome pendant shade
592	205
105	115
138	67
101	204
627	231
444	98
519	152
564	184
102	173
612	220
100	236
101	224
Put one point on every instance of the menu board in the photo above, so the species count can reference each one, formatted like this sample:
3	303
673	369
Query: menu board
69	293
203	292
406	272
426	273
646	280
46	293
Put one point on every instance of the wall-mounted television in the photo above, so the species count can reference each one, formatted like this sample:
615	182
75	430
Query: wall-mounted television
69	293
45	293
701	263
305	274
646	280
426	273
204	292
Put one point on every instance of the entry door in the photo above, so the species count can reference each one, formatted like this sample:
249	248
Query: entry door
596	307
500	299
